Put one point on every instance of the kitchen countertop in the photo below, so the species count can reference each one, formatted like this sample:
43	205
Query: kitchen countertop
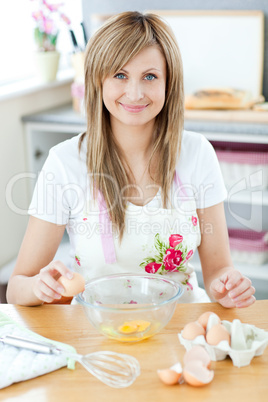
68	323
242	122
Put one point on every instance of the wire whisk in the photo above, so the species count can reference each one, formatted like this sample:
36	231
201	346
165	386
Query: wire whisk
117	370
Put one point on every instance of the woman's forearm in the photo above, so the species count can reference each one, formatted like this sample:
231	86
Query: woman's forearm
20	291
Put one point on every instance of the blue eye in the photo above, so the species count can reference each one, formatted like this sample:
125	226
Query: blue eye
120	76
150	77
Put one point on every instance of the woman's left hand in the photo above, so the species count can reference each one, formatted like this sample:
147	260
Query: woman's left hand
232	289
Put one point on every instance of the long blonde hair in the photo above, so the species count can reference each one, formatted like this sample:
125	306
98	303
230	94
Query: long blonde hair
121	38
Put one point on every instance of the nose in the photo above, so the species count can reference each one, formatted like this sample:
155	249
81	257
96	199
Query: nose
134	90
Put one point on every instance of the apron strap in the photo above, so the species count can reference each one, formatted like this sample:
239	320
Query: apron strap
179	184
106	232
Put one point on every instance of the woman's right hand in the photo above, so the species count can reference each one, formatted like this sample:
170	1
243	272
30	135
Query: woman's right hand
45	287
30	283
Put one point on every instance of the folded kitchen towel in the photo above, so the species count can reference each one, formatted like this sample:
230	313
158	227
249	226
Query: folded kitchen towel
18	364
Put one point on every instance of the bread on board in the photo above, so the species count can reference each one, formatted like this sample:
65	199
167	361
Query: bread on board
219	98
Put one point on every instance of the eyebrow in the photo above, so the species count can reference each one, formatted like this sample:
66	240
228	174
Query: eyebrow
146	71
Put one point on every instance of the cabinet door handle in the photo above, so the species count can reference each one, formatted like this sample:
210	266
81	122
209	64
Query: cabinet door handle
38	153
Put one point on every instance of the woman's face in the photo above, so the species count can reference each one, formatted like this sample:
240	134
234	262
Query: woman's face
135	95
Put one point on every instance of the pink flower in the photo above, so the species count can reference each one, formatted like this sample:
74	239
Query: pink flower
65	19
194	220
37	15
172	259
189	255
48	20
152	267
133	302
175	239
77	259
48	25
84	219
52	7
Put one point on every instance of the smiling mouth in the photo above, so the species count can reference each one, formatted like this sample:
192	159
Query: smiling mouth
133	108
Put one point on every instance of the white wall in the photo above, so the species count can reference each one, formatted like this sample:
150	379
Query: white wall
13	160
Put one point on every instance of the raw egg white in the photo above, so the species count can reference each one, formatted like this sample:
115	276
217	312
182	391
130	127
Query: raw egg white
72	286
192	330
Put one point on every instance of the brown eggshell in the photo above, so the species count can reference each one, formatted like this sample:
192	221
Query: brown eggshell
203	319
192	330
196	374
197	352
168	376
72	286
216	334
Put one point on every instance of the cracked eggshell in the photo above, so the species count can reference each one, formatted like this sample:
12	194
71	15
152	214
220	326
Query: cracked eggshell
176	367
196	374
216	334
192	330
214	352
170	376
197	352
205	317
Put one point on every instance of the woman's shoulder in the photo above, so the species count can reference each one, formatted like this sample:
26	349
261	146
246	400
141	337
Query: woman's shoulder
195	145
198	167
67	161
196	154
191	139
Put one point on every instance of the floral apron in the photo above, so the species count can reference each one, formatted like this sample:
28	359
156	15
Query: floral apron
156	240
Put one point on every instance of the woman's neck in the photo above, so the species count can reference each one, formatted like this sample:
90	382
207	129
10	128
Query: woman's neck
135	142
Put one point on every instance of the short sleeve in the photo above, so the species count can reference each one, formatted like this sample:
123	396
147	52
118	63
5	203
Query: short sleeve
50	200
199	170
208	178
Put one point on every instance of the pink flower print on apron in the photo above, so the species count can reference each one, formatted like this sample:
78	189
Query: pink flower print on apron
167	258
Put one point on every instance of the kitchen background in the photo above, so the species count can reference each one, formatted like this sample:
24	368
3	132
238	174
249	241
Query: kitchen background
26	137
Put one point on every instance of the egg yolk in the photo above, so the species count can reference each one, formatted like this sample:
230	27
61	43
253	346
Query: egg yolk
130	327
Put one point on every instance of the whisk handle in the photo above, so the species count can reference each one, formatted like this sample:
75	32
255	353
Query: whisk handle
35	346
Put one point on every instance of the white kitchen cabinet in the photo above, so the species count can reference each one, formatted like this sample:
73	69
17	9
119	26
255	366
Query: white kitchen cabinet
46	129
43	130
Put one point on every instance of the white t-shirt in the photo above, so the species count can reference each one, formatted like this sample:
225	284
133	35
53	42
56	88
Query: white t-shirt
61	190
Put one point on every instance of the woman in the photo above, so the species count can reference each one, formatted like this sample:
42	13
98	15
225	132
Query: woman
135	192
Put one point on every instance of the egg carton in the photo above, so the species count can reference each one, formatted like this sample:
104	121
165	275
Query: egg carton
247	341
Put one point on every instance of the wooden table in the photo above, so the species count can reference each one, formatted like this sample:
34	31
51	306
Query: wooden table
68	324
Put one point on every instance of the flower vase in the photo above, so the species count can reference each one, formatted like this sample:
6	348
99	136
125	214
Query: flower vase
47	64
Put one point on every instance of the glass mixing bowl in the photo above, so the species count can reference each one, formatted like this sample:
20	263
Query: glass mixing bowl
130	307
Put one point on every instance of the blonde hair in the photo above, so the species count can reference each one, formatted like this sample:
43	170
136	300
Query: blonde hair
121	38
